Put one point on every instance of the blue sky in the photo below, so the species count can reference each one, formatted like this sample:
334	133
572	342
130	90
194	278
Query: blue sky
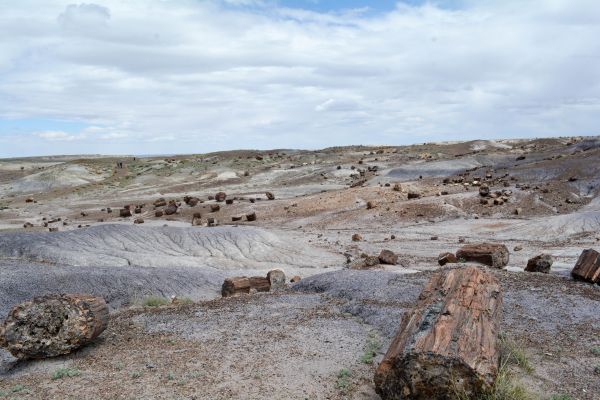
148	77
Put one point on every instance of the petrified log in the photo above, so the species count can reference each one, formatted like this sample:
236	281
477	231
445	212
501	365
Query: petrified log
270	195
244	284
276	279
53	325
124	212
494	255
587	267
447	344
445	258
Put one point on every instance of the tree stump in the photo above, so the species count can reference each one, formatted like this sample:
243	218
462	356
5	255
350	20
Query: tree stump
242	284
447	344
587	267
53	325
494	255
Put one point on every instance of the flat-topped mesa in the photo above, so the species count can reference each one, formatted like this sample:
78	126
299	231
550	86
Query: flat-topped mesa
587	267
53	325
491	254
447	343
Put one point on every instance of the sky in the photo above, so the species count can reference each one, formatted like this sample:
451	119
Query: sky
193	76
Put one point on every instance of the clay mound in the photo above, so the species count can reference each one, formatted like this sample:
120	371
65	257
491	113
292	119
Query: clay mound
55	177
221	248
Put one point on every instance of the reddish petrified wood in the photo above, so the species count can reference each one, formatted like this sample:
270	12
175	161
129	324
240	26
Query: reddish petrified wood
244	284
587	267
448	342
494	255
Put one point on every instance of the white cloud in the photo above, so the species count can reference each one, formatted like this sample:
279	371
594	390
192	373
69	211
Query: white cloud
215	76
59	136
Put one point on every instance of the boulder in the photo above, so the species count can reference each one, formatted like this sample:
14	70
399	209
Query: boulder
158	213
220	197
388	257
251	216
413	194
494	255
484	190
540	263
215	207
171	208
124	213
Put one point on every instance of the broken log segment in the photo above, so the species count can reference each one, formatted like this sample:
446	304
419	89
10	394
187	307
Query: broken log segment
494	255
244	284
587	267
53	325
448	342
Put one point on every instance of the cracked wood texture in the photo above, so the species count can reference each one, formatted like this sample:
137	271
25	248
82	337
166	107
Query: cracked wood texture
53	325
448	342
242	284
587	267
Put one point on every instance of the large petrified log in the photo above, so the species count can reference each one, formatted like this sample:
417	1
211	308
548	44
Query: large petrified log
494	255
52	325
244	284
587	267
448	343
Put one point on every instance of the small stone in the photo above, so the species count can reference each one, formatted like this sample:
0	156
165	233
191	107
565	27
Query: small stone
445	258
356	237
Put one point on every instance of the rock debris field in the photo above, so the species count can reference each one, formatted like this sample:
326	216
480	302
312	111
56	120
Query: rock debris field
441	270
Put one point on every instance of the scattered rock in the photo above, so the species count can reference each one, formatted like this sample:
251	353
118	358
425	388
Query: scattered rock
124	213
160	202
397	187
295	279
356	237
445	258
370	205
517	248
215	207
484	190
540	263
197	219
171	208
413	194
138	221
388	257
27	225
251	217
236	218
158	213
220	197
270	195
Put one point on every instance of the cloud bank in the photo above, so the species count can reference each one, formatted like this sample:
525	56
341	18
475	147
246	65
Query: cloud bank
185	76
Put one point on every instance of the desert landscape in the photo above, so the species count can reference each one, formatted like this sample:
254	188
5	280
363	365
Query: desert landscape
350	237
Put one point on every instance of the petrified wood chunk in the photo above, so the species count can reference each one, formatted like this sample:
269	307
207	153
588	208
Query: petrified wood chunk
494	255
587	267
53	325
540	263
243	284
448	342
